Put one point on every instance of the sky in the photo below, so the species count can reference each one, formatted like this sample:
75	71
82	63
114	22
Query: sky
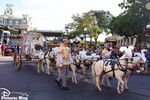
54	14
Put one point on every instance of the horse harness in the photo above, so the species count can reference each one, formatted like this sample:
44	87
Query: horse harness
113	62
44	56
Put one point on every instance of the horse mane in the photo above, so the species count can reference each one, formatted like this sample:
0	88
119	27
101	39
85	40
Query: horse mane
127	53
55	49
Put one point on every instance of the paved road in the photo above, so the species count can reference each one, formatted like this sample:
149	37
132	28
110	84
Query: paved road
43	87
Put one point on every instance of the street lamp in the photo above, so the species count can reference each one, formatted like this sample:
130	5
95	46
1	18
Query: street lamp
147	6
85	30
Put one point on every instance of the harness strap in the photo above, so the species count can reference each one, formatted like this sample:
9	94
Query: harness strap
131	69
112	66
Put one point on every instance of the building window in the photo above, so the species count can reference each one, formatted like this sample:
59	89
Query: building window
10	22
17	22
1	21
24	22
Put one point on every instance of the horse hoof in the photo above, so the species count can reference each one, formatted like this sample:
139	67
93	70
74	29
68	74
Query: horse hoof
76	83
119	92
38	72
72	81
103	85
100	90
110	87
127	89
48	74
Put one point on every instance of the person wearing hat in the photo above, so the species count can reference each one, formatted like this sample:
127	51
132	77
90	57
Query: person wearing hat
63	60
105	51
38	43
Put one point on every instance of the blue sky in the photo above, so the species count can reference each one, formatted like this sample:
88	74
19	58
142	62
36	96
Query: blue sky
54	14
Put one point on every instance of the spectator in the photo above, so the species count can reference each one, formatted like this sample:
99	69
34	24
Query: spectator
111	52
105	50
147	62
0	48
18	48
119	53
3	49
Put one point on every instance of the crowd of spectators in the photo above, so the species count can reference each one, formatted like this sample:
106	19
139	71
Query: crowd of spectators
9	50
114	52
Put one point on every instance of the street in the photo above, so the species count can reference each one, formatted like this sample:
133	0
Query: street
43	87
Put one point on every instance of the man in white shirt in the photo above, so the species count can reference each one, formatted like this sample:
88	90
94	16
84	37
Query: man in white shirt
63	60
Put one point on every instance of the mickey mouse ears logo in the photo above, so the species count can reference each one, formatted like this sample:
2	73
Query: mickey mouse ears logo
5	92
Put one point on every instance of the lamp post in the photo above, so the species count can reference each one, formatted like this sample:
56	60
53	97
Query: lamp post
85	30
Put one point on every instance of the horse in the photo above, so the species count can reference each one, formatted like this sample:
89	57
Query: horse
45	58
138	59
78	62
119	69
52	58
73	69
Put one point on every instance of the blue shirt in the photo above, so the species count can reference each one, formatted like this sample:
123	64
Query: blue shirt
147	55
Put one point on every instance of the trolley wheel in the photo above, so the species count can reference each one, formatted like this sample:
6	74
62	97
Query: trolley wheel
18	62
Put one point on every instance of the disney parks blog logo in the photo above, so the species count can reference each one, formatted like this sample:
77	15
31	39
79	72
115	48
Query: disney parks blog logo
7	95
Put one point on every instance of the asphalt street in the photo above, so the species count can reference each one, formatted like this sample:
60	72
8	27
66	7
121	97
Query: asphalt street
43	87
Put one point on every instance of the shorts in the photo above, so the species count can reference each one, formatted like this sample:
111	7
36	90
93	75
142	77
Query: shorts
146	63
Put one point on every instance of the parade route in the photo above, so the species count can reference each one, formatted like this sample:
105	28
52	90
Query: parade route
6	58
43	87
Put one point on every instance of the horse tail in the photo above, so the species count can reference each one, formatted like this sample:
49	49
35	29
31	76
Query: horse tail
93	72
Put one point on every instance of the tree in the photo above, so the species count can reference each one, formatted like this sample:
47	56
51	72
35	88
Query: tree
103	19
95	30
76	28
132	20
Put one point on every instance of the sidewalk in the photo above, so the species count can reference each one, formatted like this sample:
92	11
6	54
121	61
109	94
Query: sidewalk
10	58
6	58
142	73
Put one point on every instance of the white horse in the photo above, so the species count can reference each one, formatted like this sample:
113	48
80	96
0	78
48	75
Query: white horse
45	58
73	69
137	60
80	63
119	70
52	58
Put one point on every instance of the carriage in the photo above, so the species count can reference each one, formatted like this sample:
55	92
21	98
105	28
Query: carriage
29	53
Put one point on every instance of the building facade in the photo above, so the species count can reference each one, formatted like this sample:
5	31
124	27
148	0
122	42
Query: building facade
23	24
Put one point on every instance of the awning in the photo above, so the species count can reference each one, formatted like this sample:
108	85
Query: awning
112	38
12	30
7	28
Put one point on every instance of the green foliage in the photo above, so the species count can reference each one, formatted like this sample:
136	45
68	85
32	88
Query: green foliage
103	19
132	20
76	28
